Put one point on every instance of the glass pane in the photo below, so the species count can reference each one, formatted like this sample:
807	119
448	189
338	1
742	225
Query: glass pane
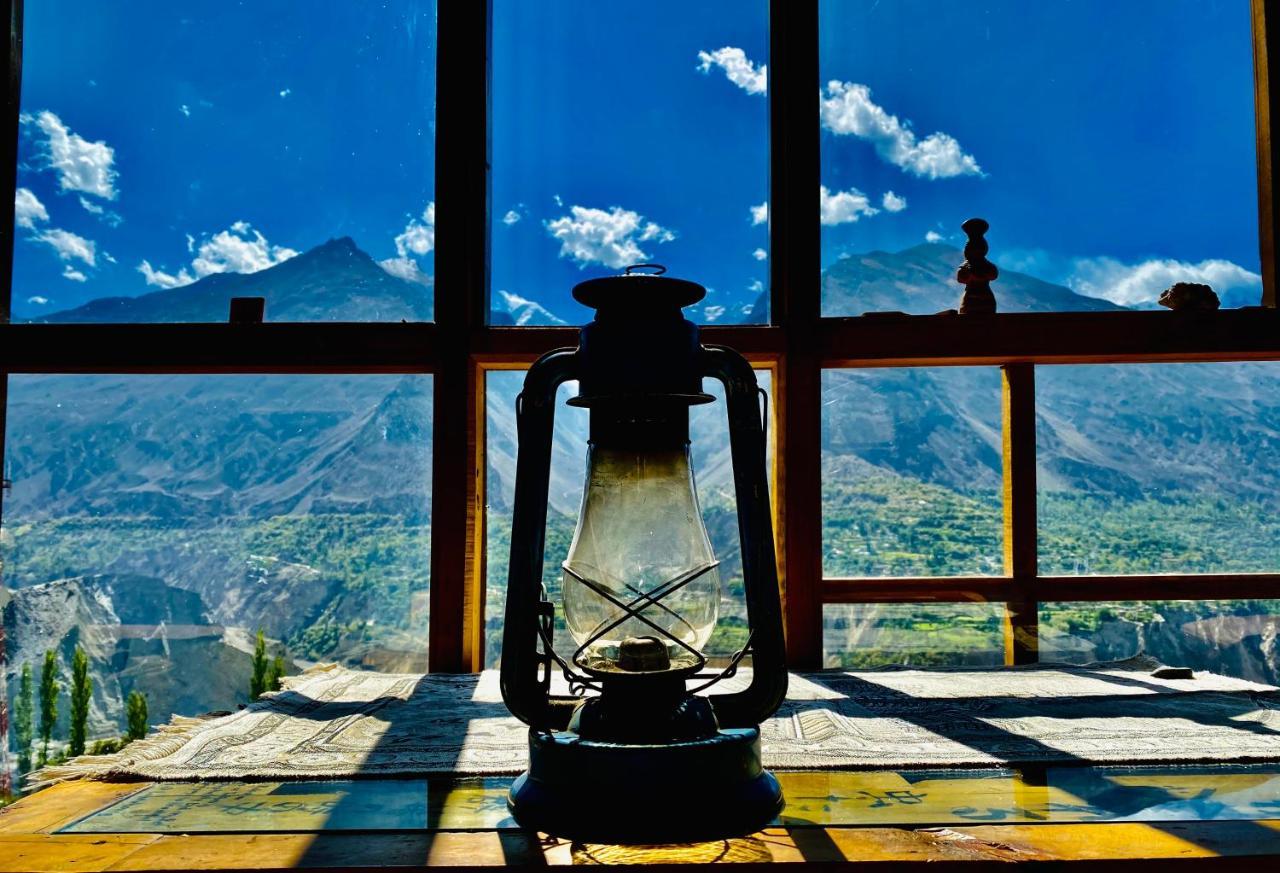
1159	468
161	522
624	133
863	636
1111	147
1229	637
911	472
173	156
713	476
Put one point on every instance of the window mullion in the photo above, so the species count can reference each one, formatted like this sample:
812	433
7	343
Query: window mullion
1021	560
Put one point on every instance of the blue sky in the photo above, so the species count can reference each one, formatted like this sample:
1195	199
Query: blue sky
1110	144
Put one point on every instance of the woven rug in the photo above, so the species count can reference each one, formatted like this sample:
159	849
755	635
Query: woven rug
335	723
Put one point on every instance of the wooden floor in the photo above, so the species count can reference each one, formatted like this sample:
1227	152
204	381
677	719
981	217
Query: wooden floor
896	819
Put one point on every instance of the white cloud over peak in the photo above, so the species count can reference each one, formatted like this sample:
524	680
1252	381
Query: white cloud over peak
239	249
893	202
738	68
611	238
69	246
81	165
1140	284
933	236
162	279
70	272
760	214
38	300
847	109
759	254
844	207
405	268
27	209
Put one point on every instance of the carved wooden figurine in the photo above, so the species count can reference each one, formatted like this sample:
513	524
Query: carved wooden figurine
976	273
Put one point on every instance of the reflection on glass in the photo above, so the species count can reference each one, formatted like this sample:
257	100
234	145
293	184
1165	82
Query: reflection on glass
627	133
1159	468
161	522
1229	637
932	112
911	472
869	635
173	156
712	473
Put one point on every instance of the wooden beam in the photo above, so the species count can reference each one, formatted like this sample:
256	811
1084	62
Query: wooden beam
1147	336
1096	589
1266	54
795	275
1021	561
461	305
274	347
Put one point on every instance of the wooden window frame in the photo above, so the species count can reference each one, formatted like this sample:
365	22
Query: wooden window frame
459	348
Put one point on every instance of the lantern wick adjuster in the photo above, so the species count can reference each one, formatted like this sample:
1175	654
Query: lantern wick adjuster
645	270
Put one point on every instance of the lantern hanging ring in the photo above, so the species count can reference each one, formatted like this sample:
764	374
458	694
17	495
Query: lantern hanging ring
648	270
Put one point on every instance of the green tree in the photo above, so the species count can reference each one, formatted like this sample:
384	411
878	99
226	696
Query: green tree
258	681
81	693
24	718
275	674
136	711
49	689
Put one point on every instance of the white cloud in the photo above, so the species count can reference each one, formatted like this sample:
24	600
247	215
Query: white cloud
760	214
711	313
418	236
241	249
69	246
185	110
737	67
286	92
933	236
27	209
511	217
612	238
893	202
70	272
558	199
405	268
162	279
847	108
844	207
1141	283
105	215
38	300
759	254
81	165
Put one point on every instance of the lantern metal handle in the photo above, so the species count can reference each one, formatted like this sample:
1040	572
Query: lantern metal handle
658	269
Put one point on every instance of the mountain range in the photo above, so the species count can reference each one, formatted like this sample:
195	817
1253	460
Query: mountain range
301	504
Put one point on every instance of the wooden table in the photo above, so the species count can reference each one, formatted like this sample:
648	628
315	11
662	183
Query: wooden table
1219	817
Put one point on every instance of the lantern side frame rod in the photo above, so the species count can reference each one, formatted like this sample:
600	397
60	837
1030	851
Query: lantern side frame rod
768	686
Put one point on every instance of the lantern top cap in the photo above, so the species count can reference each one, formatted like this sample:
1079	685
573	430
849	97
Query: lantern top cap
636	289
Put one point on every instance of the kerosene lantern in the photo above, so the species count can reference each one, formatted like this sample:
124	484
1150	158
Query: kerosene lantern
635	753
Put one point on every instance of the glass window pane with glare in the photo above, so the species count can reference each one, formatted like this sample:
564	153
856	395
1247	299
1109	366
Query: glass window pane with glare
1159	468
172	156
1111	145
866	636
161	522
625	133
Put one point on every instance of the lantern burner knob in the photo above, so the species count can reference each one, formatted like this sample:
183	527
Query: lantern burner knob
643	655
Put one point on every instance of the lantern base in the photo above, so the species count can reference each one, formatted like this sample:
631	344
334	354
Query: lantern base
601	792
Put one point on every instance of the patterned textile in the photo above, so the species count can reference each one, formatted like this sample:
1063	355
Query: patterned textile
336	723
